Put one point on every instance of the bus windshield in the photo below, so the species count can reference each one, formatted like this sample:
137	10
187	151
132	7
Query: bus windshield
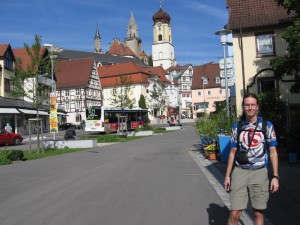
93	113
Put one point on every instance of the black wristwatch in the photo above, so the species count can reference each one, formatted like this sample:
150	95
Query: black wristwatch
276	177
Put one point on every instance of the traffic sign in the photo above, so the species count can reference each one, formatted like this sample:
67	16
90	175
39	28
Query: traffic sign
228	71
228	63
230	82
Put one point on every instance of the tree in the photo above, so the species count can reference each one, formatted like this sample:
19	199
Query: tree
142	102
121	93
289	64
25	83
158	98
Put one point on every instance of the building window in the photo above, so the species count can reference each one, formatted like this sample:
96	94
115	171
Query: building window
190	72
77	106
265	44
184	87
7	84
220	91
67	106
160	37
160	56
114	91
265	85
209	92
218	80
77	91
67	93
8	61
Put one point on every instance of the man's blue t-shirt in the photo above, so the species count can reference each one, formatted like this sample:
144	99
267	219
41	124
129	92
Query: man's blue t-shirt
257	157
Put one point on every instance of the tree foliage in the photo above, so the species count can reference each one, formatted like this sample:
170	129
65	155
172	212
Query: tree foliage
24	82
142	102
121	93
289	64
158	97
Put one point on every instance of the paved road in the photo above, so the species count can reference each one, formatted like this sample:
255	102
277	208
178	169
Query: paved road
150	181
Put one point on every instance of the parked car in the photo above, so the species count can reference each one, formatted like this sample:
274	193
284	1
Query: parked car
7	138
65	126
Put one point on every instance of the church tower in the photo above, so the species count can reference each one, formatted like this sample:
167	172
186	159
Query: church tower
132	40
97	41
162	47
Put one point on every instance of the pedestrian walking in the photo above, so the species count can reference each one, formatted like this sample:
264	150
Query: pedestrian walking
253	142
8	128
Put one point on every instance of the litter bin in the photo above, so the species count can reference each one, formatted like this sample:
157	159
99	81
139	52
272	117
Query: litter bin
224	144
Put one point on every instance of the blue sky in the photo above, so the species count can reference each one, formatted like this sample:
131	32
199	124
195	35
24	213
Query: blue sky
71	24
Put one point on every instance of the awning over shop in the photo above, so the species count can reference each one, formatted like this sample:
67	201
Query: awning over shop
63	114
9	111
31	111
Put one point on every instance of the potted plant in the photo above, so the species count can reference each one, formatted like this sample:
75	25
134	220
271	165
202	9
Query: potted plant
211	151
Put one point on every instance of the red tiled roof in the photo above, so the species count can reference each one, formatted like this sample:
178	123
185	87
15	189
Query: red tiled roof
20	53
158	71
144	54
210	71
256	13
73	73
110	75
117	48
3	49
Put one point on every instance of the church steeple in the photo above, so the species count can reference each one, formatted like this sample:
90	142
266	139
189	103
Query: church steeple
132	40
132	29
97	41
162	47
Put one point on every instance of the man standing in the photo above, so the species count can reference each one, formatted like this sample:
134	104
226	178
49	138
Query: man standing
8	128
246	174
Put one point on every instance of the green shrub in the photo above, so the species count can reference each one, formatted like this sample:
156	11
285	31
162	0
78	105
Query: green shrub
3	157
108	138
159	130
146	127
16	155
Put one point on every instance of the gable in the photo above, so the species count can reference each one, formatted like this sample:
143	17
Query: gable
73	73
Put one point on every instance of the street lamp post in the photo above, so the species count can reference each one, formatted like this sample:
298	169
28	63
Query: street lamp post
224	41
53	88
204	80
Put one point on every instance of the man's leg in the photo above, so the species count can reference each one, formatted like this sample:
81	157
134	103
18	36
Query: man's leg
234	217
258	217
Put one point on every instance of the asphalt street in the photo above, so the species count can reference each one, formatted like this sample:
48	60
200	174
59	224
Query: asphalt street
150	181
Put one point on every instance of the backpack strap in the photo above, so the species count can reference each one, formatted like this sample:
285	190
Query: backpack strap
239	131
264	131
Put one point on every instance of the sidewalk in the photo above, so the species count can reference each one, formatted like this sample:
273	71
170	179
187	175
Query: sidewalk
283	206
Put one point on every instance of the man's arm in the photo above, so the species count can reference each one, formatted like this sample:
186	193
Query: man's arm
229	168
274	186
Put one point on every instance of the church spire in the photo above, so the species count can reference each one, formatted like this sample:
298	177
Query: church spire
97	41
132	29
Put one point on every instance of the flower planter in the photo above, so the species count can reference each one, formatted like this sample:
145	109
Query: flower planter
212	156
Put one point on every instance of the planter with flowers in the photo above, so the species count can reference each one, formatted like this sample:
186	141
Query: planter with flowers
211	151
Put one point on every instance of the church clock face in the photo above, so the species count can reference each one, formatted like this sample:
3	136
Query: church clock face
159	24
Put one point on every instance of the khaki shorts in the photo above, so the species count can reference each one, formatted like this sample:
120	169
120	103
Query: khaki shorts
252	183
